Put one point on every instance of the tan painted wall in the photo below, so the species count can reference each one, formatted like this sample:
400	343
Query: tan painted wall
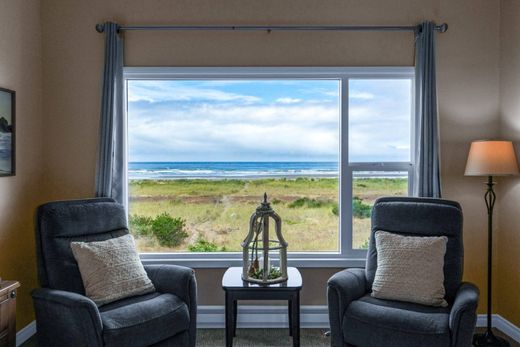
468	80
508	273
468	58
20	70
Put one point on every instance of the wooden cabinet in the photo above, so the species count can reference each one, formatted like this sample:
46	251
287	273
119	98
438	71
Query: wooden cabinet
8	313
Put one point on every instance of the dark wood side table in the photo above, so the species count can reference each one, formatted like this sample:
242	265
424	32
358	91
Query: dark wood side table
8	313
237	289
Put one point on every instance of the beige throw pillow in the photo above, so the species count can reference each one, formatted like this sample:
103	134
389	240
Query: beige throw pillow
111	269
410	268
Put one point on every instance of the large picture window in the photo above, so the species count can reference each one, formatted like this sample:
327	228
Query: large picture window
205	144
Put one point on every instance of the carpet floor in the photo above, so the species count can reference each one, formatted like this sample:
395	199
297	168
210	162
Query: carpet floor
266	338
262	338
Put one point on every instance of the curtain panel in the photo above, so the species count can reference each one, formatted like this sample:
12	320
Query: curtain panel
111	175
426	180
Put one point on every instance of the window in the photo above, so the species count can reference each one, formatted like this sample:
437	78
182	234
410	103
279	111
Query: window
379	137
204	144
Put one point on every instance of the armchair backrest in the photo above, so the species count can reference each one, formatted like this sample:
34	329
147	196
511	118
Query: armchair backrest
421	217
61	222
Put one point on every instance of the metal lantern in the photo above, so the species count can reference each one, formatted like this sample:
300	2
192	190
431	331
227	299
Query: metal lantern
265	259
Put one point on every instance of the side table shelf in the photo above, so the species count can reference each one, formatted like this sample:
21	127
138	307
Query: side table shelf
8	313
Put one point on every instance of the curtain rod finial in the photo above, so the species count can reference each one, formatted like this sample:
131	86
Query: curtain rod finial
100	28
443	27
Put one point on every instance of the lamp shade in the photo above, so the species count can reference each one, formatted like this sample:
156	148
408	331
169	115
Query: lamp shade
491	158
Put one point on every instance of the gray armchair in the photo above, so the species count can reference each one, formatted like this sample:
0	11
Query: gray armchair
66	317
358	319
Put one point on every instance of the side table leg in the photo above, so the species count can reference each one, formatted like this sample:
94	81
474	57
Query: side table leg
235	304
290	317
295	311
229	320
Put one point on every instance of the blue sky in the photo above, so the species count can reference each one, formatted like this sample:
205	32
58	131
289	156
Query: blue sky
266	120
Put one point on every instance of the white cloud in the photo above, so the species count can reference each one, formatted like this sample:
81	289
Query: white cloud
288	100
222	133
361	95
219	125
153	91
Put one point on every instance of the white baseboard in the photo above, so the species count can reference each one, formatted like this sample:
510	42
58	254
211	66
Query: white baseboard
263	317
25	333
209	317
501	324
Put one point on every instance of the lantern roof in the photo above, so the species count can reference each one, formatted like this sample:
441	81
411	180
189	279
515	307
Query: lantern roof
265	207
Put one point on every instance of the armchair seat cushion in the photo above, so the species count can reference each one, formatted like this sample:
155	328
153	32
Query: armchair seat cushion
376	322
143	320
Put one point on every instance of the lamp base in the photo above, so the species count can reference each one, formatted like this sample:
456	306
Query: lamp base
488	339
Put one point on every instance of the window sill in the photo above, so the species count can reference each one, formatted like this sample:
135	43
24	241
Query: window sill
224	261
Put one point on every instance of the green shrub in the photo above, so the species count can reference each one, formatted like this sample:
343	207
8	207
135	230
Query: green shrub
140	225
313	203
202	245
360	209
364	245
169	231
335	209
310	203
297	203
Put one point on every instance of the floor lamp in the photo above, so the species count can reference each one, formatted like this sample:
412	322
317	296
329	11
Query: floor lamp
490	158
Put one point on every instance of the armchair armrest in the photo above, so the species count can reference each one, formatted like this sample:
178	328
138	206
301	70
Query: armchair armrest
180	281
173	279
463	315
66	318
343	288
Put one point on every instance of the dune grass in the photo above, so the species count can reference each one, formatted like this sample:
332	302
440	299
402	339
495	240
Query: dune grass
216	212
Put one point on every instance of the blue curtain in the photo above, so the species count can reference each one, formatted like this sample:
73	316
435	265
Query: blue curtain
110	175
427	180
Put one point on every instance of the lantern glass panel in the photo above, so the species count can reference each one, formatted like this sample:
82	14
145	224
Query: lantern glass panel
264	248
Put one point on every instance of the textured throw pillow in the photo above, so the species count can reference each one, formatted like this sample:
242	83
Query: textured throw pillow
410	268
111	269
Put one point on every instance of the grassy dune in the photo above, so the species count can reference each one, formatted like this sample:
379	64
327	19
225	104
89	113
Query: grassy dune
218	211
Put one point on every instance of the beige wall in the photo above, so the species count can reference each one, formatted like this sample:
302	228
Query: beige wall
468	80
56	148
20	70
509	188
468	58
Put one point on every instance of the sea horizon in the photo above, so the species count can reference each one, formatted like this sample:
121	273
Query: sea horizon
231	169
171	170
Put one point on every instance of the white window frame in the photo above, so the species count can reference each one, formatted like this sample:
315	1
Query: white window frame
347	256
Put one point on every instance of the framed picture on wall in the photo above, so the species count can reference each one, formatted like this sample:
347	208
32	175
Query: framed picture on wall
7	132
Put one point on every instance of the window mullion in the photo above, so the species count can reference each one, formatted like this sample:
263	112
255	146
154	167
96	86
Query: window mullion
345	174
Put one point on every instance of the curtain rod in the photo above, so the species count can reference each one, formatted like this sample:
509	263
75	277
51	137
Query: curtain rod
441	28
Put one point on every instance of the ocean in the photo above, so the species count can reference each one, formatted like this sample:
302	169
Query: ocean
239	170
231	170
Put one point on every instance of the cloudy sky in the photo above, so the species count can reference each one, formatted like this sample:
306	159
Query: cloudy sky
266	120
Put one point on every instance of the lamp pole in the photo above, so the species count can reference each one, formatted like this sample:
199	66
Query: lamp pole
490	158
488	338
